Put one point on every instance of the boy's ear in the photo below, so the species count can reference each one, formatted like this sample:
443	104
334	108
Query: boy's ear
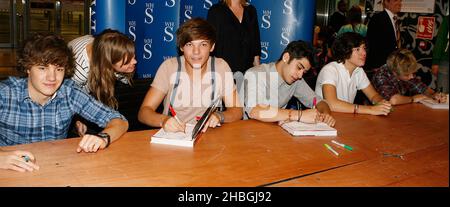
286	57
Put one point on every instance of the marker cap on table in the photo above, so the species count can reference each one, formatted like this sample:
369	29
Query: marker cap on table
331	149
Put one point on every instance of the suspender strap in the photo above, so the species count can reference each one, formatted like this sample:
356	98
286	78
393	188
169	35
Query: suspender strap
177	82
213	77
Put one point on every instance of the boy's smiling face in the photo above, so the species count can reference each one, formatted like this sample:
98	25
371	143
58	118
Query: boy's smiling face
44	81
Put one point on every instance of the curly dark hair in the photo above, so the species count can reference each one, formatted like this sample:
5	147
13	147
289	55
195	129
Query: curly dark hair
43	49
343	46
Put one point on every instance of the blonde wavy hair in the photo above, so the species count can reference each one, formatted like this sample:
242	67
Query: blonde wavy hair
402	62
228	2
109	48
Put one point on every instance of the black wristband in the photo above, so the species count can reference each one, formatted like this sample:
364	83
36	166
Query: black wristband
106	137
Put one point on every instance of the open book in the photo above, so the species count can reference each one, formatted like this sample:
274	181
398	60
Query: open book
192	132
434	104
305	129
175	138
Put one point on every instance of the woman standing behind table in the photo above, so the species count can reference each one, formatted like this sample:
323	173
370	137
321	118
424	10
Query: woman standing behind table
237	30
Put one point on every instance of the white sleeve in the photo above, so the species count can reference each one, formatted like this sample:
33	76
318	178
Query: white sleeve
364	81
328	75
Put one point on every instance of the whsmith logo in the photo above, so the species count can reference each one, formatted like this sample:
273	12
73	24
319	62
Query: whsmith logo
188	11
264	50
149	13
168	31
167	57
93	19
170	3
285	34
266	19
207	4
132	29
147	49
287	7
131	2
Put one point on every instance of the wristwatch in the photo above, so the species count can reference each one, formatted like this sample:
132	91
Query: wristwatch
106	137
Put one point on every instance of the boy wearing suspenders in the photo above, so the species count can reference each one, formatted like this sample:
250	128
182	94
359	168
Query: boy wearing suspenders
188	84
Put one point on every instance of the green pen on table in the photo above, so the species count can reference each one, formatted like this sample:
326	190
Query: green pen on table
342	145
378	103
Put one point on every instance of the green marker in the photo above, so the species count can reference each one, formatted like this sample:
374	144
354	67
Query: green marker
342	145
378	103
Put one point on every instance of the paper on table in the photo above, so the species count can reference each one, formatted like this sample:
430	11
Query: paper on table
300	128
434	104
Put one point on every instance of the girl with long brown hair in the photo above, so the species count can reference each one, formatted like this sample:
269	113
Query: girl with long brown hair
100	61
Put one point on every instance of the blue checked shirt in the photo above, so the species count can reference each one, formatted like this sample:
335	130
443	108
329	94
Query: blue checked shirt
23	121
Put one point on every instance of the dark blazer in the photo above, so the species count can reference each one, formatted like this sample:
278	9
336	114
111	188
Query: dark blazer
381	40
337	20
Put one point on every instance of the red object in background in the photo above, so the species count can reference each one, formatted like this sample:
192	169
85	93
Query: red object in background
422	45
425	28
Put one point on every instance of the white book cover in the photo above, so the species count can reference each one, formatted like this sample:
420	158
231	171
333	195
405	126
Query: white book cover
175	138
186	139
434	104
305	129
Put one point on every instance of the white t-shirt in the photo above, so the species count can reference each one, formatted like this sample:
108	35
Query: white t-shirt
346	86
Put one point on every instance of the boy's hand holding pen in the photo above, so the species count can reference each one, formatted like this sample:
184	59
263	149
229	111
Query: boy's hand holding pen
440	97
386	105
175	124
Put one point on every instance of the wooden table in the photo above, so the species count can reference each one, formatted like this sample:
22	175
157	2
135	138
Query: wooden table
252	153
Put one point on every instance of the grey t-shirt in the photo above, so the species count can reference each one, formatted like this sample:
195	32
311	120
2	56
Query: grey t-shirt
264	85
